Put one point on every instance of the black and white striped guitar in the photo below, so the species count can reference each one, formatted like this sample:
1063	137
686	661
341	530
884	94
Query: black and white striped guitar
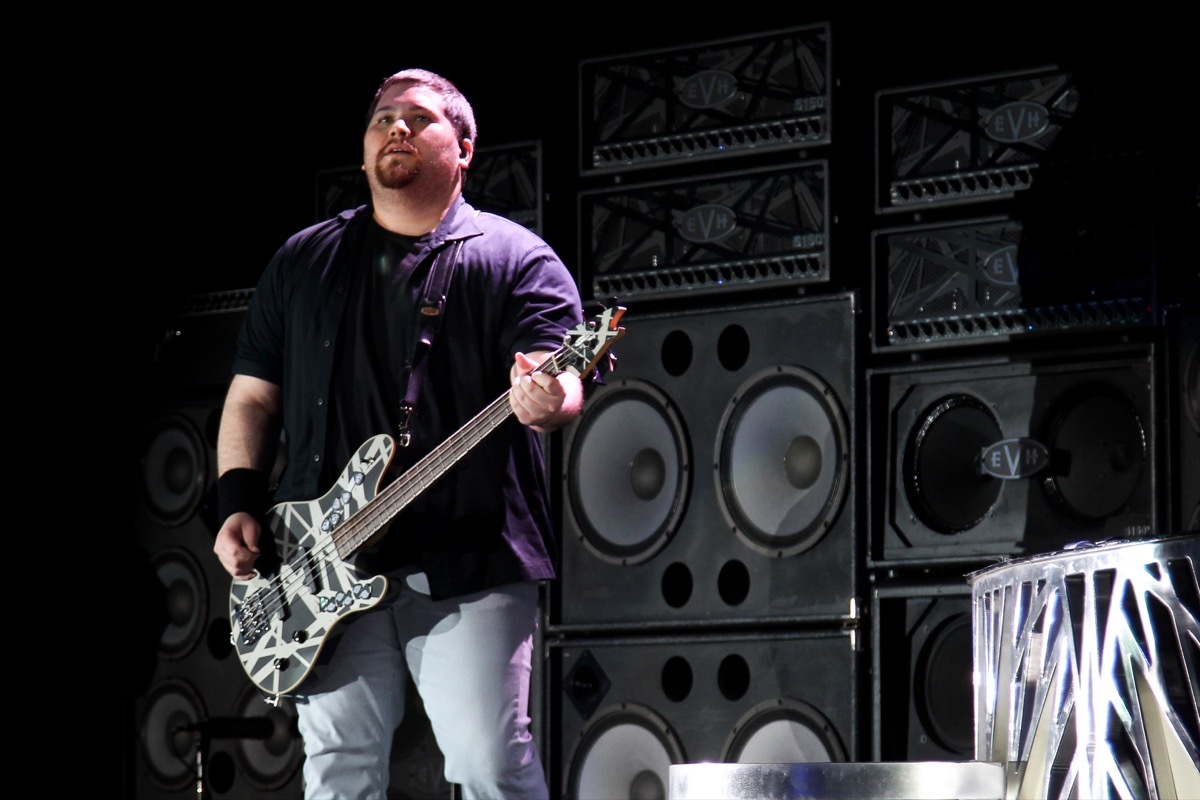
280	621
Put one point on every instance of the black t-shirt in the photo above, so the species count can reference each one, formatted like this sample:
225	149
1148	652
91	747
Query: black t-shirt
375	346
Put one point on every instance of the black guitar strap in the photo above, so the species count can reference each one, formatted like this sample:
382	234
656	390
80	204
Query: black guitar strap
433	303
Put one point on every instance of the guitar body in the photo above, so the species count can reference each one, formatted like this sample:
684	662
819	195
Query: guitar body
280	622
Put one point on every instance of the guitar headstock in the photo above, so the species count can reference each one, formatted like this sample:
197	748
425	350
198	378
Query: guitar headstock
585	344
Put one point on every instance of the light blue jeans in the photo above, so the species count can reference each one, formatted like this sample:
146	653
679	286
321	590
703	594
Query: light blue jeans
470	659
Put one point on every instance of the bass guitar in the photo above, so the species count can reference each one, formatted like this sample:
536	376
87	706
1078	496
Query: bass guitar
281	618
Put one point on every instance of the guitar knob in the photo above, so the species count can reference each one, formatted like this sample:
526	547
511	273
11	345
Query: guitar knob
300	637
281	664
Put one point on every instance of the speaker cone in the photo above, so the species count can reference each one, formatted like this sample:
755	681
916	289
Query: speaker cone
182	593
174	471
1104	445
944	688
784	460
629	472
947	489
272	762
783	731
168	749
626	752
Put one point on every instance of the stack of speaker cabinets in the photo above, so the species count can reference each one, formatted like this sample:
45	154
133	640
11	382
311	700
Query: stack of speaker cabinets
708	602
200	726
1014	358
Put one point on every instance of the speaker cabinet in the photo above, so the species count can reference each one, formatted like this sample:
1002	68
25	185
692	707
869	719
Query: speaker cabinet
922	677
199	722
717	234
1081	264
198	713
997	136
762	93
710	479
626	709
1183	401
1012	456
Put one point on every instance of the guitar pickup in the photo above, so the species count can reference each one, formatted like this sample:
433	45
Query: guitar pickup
309	570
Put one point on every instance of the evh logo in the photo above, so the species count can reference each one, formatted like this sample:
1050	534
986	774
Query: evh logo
1018	121
707	223
1012	459
1000	267
707	88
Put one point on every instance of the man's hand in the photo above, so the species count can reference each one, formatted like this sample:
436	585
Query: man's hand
542	401
237	545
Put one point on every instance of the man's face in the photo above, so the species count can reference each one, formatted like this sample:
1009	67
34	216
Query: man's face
409	139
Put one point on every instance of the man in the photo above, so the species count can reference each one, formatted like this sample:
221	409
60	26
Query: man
330	354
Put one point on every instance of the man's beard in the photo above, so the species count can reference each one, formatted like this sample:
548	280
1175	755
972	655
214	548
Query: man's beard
394	178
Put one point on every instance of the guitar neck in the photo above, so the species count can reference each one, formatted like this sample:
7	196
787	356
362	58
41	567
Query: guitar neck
578	354
419	477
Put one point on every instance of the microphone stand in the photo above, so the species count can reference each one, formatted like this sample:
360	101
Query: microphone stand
223	728
202	742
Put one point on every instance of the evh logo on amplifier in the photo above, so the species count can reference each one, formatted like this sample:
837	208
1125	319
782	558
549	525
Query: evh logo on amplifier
1012	459
1018	121
710	222
708	88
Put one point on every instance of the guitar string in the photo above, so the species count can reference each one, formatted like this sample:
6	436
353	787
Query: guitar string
384	507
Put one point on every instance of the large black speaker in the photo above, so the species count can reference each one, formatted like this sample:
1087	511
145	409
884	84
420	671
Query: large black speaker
922	687
1183	402
711	478
624	710
1009	456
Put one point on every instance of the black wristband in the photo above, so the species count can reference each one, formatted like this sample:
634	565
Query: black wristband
241	489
